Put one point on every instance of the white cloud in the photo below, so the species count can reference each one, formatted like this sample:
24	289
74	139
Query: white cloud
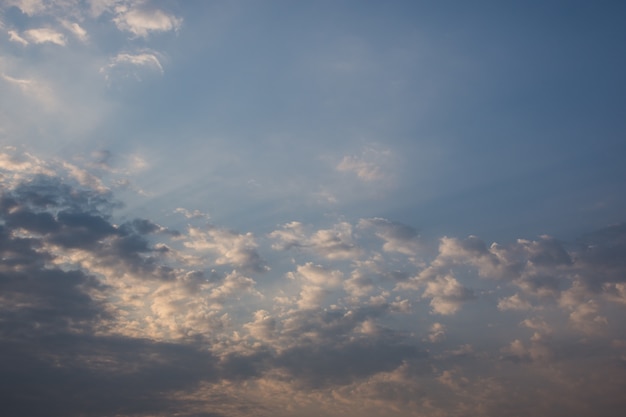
30	7
231	248
437	332
45	35
371	165
234	283
513	302
143	22
311	297
263	326
359	284
318	275
15	37
136	67
334	243
17	167
537	324
76	30
148	60
615	292
195	214
291	235
447	294
398	237
318	283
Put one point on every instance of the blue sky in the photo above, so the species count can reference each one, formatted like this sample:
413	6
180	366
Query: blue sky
279	208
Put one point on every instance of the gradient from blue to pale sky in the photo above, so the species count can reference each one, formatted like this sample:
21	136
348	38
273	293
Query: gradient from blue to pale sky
289	208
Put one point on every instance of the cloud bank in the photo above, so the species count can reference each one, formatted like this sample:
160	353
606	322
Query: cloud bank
103	317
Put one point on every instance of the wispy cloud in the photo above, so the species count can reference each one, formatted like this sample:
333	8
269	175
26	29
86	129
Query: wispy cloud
45	35
372	164
132	65
143	22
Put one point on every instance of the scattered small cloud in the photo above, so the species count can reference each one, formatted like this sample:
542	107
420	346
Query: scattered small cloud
76	30
45	35
15	37
144	21
514	302
135	66
371	165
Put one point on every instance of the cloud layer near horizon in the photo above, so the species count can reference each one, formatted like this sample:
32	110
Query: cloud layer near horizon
101	317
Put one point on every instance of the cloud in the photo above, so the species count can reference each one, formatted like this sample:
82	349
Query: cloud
45	35
398	237
371	165
334	243
15	37
142	21
137	319
195	214
231	248
437	333
447	294
79	32
31	7
513	302
318	283
135	66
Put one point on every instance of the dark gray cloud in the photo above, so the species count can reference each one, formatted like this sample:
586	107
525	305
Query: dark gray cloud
66	374
343	363
52	362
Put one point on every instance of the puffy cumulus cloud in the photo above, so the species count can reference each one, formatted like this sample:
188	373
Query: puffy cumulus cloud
535	351
263	327
334	243
318	284
136	319
45	35
437	333
514	302
492	262
318	275
142	20
398	237
230	247
446	294
359	284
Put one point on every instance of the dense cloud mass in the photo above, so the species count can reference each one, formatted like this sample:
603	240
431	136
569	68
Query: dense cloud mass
104	318
278	209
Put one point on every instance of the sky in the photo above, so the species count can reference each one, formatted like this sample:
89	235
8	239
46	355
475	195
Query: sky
323	208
